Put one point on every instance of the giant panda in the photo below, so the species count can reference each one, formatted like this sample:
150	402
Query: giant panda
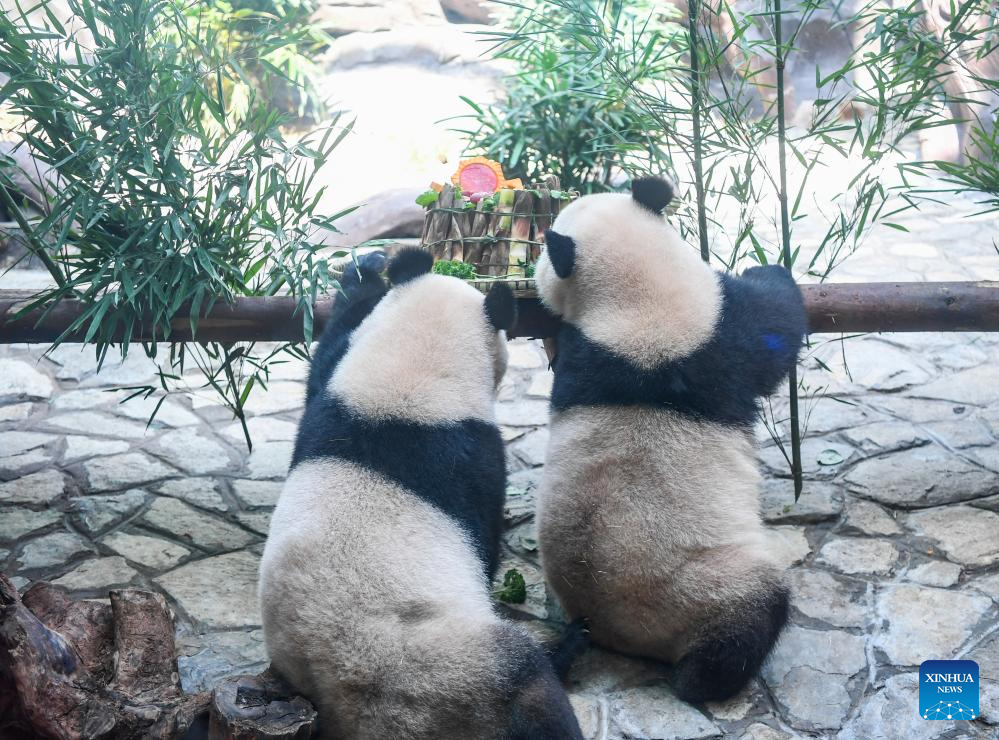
374	582
649	524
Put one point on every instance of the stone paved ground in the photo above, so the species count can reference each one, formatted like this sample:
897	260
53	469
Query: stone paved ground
893	549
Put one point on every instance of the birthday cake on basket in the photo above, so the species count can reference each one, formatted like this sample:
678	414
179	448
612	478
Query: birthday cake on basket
482	225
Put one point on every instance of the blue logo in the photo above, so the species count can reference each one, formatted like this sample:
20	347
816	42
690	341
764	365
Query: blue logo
948	689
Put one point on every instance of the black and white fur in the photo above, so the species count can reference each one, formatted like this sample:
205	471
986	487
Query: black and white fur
649	524
374	584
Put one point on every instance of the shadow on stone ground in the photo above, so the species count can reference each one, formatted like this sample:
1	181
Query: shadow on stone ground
893	549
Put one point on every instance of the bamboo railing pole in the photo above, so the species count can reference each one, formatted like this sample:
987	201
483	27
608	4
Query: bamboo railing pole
832	308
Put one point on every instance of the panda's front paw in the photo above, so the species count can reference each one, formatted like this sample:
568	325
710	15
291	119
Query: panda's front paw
373	261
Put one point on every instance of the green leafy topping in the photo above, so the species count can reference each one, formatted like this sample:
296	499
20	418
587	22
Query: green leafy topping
514	589
427	198
455	268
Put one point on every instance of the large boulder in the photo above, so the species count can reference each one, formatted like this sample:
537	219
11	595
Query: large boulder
423	46
389	214
338	17
471	11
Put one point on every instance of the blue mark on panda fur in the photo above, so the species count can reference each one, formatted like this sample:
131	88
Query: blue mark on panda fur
774	342
754	345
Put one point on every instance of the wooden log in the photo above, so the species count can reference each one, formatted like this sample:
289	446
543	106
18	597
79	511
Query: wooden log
86	625
259	707
902	307
75	670
114	677
145	655
832	307
454	248
44	690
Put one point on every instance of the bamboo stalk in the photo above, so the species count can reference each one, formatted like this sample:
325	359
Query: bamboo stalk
520	233
502	227
693	13
542	220
785	221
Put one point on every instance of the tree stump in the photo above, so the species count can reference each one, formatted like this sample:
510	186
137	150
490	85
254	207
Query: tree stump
259	708
82	670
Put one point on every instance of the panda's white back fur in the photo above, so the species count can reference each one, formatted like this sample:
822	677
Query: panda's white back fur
663	317
418	356
640	492
365	637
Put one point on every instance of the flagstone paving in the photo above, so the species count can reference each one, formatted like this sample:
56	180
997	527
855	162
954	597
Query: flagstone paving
893	549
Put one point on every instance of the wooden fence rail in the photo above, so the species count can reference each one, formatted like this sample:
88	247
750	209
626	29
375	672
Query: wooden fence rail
832	308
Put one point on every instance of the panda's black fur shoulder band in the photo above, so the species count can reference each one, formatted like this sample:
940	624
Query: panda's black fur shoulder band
467	456
652	193
409	263
698	385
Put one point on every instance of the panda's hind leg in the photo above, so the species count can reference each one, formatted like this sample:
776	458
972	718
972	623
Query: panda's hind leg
729	650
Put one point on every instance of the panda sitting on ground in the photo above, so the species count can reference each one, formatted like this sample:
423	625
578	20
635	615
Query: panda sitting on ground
374	583
649	524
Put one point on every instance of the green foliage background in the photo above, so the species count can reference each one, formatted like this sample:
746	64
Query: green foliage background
166	195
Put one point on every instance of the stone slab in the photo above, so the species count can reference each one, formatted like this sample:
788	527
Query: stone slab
39	488
152	552
17	522
124	471
854	555
101	573
201	492
220	592
965	534
819	502
923	621
21	380
52	549
923	476
825	597
257	493
655	712
94	514
187	524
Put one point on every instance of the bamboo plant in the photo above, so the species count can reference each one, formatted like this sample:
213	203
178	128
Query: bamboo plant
706	81
160	198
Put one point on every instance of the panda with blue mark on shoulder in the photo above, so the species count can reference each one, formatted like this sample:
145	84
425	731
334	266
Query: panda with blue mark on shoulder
648	523
374	582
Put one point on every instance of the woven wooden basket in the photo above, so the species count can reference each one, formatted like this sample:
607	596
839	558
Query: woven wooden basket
501	237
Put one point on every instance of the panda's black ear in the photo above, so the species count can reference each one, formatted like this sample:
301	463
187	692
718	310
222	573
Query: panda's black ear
409	263
501	307
561	252
652	193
